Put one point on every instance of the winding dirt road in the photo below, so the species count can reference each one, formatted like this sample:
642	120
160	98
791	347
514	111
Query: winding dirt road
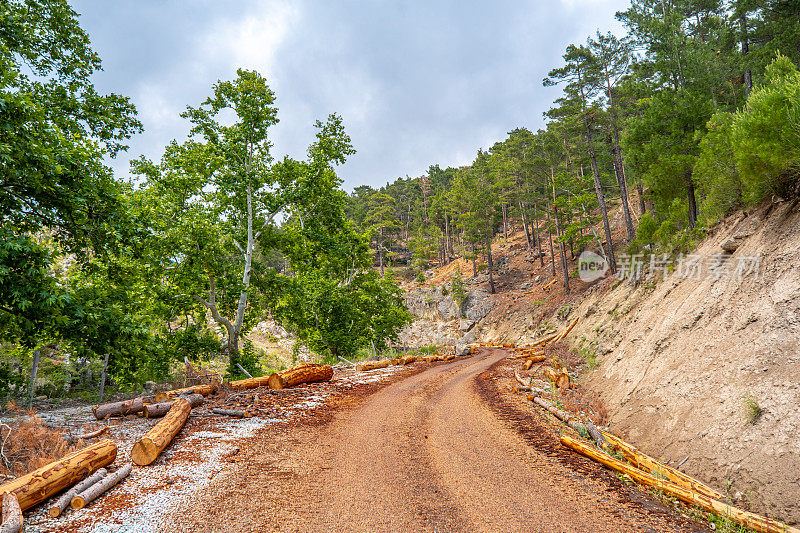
425	453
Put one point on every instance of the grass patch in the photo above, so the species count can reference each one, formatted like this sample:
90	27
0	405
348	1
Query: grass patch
753	411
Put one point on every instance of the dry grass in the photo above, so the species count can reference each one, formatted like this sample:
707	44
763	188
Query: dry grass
27	444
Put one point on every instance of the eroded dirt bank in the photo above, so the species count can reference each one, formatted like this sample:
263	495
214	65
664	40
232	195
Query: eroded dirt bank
437	451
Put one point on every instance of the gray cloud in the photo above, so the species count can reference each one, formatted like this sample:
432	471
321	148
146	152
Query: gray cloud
417	83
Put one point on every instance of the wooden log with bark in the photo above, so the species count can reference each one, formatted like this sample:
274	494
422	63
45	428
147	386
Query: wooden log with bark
51	479
408	359
305	373
93	492
125	407
745	518
86	436
12	514
564	416
228	412
156	410
147	449
205	390
559	377
648	464
373	365
63	502
525	354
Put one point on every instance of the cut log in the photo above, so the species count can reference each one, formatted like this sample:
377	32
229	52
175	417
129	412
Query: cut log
558	413
549	284
527	364
51	479
12	514
598	437
92	493
125	407
228	412
372	365
747	519
657	468
156	410
448	357
205	390
408	359
147	449
565	332
559	378
251	383
305	373
63	502
524	354
396	361
508	345
86	436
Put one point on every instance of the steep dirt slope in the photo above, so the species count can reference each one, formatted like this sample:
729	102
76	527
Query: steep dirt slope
680	356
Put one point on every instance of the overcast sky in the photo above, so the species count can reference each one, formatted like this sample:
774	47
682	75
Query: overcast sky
417	83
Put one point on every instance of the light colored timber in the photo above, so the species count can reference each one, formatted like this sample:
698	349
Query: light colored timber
373	365
305	373
745	518
51	479
147	449
657	468
205	390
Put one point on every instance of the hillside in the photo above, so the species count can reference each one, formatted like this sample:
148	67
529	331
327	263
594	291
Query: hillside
679	363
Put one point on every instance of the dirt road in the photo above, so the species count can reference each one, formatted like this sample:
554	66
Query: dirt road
426	453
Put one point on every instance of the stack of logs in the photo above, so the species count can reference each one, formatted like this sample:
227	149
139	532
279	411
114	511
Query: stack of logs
405	360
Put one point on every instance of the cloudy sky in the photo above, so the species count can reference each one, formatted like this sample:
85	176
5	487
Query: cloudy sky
417	83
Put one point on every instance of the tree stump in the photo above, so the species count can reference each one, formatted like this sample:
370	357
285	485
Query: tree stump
154	441
51	479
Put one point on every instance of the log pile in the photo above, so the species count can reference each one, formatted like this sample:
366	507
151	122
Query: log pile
147	449
63	502
92	492
205	390
156	410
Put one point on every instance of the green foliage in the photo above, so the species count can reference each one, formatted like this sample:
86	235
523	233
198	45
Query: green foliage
459	292
753	411
420	277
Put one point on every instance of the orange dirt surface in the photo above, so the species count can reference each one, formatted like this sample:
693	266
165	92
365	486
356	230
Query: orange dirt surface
446	448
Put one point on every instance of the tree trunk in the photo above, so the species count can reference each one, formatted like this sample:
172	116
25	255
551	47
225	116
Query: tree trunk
51	479
12	515
474	266
525	227
692	200
125	407
562	254
447	246
550	238
34	372
380	250
156	410
231	413
601	200
748	75
63	502
205	390
92	493
623	189
103	378
147	449
489	260
305	373
640	190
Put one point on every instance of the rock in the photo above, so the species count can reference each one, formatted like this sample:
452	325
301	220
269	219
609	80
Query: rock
465	324
149	386
462	349
732	244
477	305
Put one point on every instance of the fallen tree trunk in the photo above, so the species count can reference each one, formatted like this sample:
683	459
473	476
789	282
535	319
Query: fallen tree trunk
12	515
372	365
408	359
86	436
648	464
597	435
63	502
559	378
305	373
747	519
205	390
565	332
51	479
154	441
125	407
251	383
156	410
92	493
561	415
524	354
228	412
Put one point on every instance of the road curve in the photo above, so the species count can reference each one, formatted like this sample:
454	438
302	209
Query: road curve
426	453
